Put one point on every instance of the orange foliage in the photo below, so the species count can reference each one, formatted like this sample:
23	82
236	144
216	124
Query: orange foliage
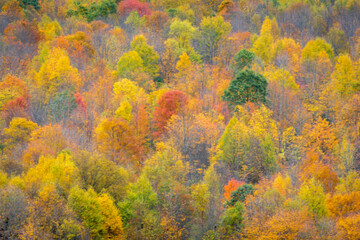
343	204
232	186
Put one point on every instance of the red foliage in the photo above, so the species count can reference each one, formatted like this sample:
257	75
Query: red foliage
17	107
127	6
232	186
169	103
80	102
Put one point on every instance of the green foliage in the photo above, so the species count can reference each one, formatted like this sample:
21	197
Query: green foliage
138	209
247	86
98	213
51	29
94	10
134	21
62	105
87	206
129	63
154	144
243	58
166	167
233	218
33	3
183	32
148	55
240	194
337	38
313	196
233	144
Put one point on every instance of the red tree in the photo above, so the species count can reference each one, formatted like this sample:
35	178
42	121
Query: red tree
17	107
169	104
80	103
127	6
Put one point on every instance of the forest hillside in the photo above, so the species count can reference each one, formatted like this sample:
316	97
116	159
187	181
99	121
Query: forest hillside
192	119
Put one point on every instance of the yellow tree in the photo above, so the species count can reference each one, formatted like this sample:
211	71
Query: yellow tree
113	223
287	52
344	77
126	89
50	29
316	58
54	75
18	132
262	45
187	79
60	171
212	34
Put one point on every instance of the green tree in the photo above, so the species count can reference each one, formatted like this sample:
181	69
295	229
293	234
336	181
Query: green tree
94	10
129	63
138	210
240	194
33	3
233	144
87	206
247	86
183	32
97	212
242	59
233	218
147	53
312	195
134	21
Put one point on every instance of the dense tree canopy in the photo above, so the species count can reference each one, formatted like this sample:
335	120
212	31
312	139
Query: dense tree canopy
166	119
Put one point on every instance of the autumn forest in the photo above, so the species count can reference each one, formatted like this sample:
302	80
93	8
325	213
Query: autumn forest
191	119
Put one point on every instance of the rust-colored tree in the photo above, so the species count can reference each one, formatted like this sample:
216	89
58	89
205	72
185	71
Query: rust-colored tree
169	104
